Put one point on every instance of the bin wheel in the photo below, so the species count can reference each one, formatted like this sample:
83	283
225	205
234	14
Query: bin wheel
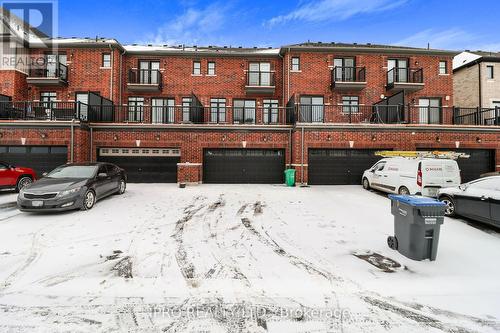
392	241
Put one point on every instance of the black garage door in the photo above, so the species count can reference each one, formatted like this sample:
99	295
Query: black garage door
40	158
339	166
480	161
244	166
144	165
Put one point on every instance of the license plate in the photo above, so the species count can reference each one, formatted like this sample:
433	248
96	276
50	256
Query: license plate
37	203
432	192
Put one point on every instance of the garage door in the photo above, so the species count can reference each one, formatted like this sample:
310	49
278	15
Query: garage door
339	166
144	165
480	161
244	166
40	158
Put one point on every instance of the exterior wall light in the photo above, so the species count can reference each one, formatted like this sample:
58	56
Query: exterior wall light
478	139
329	138
157	137
438	139
115	137
374	137
43	135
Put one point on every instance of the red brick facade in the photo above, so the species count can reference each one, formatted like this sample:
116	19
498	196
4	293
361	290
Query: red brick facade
85	73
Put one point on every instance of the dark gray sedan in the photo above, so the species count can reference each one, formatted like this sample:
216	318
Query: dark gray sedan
478	200
72	186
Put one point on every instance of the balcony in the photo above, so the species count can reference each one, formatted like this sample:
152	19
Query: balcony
477	116
48	75
260	83
144	80
57	111
348	78
407	79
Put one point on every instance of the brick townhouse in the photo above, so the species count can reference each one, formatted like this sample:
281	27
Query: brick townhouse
234	115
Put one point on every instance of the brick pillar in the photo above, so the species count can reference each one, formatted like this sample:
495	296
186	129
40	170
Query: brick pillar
189	173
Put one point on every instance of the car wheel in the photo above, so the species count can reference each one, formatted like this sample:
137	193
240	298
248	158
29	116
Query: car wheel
122	186
88	200
23	182
450	206
403	190
366	184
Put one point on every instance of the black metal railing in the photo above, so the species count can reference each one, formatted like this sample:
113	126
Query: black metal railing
405	75
260	78
58	70
348	74
41	110
145	76
476	116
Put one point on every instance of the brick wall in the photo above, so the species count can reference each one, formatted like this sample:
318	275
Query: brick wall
466	87
13	84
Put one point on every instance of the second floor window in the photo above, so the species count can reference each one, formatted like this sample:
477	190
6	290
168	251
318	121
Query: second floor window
244	111
295	64
211	68
350	104
344	69
196	68
259	74
397	70
311	109
443	67
490	73
218	110
106	60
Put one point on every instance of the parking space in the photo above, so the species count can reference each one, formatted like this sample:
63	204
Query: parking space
235	247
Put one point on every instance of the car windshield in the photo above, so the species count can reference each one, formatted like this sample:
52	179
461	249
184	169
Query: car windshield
74	171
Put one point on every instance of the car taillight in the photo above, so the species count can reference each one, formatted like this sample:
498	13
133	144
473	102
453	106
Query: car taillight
419	177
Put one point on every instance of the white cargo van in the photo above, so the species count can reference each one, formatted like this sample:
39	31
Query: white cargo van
405	175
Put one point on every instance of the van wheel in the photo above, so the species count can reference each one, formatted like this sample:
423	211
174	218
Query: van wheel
403	190
23	182
366	184
450	206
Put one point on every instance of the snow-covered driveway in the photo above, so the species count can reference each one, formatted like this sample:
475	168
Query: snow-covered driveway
239	258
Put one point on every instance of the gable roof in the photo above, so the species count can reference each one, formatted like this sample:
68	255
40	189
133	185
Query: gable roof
467	59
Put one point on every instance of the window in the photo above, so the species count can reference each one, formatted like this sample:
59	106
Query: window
83	98
149	72
295	64
311	109
344	69
429	110
211	68
163	110
218	110
490	72
48	96
244	111
259	74
186	109
106	60
196	68
350	104
443	67
397	70
136	109
271	112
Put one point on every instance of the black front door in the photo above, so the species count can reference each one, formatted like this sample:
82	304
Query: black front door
245	166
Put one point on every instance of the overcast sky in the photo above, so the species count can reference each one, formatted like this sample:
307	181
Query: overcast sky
442	23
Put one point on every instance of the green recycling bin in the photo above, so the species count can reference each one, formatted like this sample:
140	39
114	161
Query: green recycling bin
290	177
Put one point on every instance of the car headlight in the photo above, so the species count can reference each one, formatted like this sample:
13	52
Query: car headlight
65	193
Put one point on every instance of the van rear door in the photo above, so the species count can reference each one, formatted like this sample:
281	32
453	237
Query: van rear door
438	173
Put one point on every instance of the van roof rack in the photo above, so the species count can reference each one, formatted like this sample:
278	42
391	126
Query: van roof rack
422	154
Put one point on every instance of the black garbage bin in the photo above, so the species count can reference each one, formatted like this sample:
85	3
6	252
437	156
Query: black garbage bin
417	221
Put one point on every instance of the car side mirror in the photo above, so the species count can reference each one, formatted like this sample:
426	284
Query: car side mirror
463	187
44	174
102	175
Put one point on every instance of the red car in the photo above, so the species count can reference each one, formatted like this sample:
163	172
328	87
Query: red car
12	177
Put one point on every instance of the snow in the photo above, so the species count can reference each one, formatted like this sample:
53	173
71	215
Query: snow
217	49
239	258
464	58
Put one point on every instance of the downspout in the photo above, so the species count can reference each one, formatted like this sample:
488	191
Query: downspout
288	75
120	76
91	144
302	158
112	70
72	142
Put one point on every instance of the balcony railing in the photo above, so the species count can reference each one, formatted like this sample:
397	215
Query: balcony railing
348	77
402	78
260	82
52	74
144	80
42	110
476	116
